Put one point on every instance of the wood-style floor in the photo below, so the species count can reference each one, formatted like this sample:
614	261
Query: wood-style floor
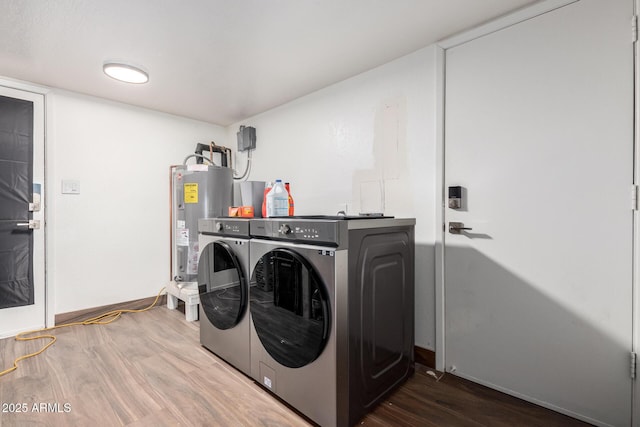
148	369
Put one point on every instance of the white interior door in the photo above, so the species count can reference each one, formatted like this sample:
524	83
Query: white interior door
539	135
22	259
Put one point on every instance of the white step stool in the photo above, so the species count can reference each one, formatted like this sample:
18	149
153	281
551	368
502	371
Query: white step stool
187	292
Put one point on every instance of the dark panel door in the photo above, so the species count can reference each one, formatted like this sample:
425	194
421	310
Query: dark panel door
22	292
16	184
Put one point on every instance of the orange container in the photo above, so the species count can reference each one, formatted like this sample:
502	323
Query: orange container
246	211
241	211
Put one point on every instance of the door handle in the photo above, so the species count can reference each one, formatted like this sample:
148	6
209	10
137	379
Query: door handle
33	224
457	228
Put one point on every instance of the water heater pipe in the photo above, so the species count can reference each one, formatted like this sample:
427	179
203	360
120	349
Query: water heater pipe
211	148
171	169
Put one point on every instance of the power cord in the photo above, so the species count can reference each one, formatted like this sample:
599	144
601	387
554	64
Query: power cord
103	319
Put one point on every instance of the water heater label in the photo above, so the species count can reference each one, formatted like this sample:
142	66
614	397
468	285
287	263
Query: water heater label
191	193
182	237
198	167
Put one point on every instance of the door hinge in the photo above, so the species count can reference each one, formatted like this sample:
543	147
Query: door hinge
633	365
634	28
634	197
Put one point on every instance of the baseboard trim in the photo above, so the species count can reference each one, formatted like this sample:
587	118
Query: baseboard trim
80	315
425	357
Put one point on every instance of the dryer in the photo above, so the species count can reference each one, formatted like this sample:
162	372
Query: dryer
332	309
223	287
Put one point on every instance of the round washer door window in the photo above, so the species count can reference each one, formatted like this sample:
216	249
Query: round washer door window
289	307
222	285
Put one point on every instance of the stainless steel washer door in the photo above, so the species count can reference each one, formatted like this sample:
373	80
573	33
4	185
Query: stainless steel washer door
290	307
222	285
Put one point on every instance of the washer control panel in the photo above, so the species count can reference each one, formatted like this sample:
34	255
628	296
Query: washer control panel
224	226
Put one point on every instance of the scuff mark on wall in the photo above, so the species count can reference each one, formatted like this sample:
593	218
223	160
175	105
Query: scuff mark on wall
389	152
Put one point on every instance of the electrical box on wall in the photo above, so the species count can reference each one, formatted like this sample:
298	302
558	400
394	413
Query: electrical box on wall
246	138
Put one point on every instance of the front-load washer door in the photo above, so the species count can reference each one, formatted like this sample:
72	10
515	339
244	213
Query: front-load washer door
289	307
222	285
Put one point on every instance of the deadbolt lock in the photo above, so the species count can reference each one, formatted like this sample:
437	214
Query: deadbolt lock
455	197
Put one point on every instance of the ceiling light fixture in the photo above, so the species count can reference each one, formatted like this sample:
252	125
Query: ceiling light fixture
125	72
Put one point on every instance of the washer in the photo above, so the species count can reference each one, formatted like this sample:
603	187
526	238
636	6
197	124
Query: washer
332	309
223	287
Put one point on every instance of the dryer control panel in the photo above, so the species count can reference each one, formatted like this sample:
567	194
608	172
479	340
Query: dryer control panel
299	230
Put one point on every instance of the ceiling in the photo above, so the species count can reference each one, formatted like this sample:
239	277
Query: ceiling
221	61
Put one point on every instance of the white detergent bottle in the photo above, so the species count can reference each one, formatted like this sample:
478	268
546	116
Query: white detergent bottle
278	200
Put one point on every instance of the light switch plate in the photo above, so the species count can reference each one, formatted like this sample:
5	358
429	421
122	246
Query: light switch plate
70	186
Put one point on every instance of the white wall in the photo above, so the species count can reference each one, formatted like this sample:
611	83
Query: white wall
367	142
110	243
